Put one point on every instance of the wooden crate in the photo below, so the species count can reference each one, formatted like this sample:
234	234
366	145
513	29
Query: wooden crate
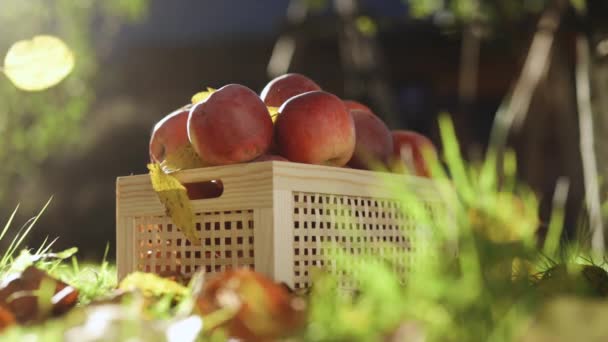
279	218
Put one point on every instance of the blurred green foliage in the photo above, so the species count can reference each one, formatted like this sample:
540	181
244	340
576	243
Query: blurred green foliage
34	125
466	10
492	291
496	13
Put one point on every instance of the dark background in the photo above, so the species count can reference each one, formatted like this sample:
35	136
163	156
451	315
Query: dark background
154	66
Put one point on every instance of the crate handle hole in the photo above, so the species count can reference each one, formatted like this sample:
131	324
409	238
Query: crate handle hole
204	190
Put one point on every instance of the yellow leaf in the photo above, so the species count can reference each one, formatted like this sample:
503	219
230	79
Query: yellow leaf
152	285
39	63
174	197
274	113
202	96
181	159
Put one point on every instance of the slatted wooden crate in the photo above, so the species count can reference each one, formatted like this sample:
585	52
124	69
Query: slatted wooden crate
279	218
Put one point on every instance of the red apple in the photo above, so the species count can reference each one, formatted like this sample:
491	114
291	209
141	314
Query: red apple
352	105
315	128
231	126
267	157
169	142
409	149
284	87
374	142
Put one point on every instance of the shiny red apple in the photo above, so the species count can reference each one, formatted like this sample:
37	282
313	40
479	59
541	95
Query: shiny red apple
352	105
169	143
409	151
284	87
374	142
231	126
315	128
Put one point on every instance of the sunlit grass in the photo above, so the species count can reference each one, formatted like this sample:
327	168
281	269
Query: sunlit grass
486	293
7	260
93	280
476	272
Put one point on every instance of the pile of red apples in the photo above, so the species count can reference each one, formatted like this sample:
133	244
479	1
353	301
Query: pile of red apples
234	125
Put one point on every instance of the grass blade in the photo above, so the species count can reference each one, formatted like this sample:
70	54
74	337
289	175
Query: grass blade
9	222
23	232
556	223
453	157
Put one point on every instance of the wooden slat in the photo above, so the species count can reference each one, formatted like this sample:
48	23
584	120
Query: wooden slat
283	237
335	180
125	246
246	186
264	241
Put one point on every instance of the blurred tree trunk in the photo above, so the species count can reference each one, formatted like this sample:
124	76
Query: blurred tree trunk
365	77
548	144
597	34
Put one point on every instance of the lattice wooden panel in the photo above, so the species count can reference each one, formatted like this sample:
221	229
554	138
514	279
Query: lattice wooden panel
357	225
227	242
302	214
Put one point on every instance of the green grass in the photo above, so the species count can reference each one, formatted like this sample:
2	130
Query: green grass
492	291
93	280
489	293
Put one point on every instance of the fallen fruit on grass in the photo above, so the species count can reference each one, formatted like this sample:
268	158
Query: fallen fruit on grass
257	309
34	295
315	128
284	87
409	152
6	318
231	126
373	144
169	143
